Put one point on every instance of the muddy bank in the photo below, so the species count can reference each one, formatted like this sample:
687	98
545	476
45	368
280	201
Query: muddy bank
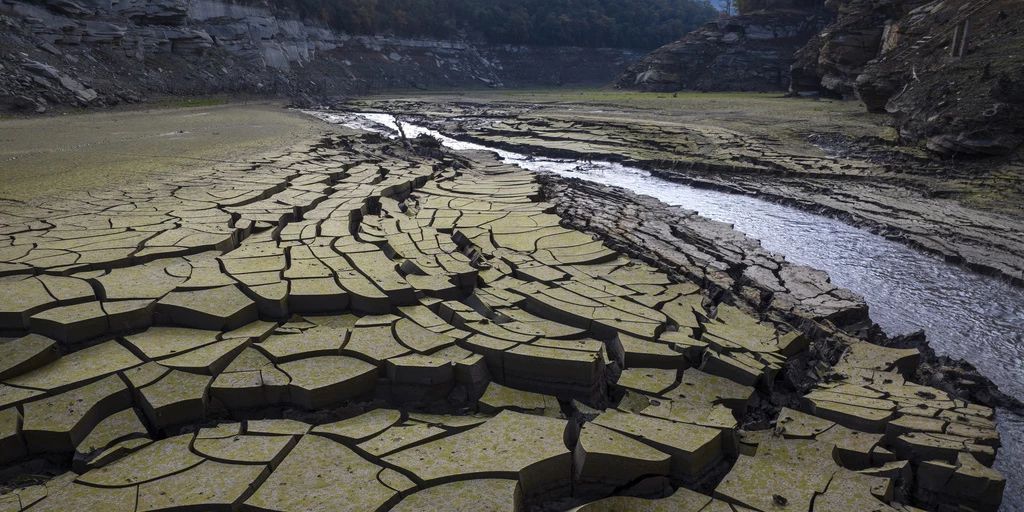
713	253
316	326
627	208
692	249
966	212
739	270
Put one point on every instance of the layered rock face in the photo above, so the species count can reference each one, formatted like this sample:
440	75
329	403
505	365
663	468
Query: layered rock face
92	52
750	52
955	94
831	61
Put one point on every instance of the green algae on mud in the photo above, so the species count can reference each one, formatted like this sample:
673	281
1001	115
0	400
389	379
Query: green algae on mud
53	154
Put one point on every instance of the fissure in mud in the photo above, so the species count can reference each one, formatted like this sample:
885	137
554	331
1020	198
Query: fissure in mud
965	315
373	324
511	256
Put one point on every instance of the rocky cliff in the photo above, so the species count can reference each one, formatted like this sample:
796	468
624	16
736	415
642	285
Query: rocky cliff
104	52
949	71
749	52
831	61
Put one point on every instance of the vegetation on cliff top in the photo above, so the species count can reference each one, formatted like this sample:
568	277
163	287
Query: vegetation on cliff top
641	24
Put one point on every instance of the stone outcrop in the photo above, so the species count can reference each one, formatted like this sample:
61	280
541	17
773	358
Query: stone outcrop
85	53
948	71
749	52
905	58
831	61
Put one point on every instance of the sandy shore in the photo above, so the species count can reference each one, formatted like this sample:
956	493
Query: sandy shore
48	155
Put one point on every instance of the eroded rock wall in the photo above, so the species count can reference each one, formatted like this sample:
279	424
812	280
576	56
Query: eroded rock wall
92	52
831	61
904	57
750	52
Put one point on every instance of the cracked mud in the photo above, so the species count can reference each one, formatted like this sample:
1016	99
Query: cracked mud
366	326
966	212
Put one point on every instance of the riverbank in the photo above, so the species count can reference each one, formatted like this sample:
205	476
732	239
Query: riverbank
52	155
623	207
351	309
823	156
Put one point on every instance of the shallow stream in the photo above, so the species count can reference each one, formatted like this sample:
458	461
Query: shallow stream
965	315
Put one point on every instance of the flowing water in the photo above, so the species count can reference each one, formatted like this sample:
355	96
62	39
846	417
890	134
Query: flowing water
965	315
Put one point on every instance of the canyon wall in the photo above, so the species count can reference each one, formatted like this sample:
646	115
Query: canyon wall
949	71
749	52
104	52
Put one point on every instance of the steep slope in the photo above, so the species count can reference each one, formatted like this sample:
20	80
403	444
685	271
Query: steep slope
749	52
905	57
949	71
80	53
830	62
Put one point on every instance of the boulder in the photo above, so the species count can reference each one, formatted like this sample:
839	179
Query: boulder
67	7
50	74
102	32
188	41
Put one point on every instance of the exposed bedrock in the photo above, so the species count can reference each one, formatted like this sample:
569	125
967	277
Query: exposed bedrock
832	60
948	71
750	52
84	53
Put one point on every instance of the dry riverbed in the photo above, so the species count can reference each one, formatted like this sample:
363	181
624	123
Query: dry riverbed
823	156
42	156
318	318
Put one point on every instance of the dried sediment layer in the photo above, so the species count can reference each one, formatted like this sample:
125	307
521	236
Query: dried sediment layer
457	348
704	251
902	199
